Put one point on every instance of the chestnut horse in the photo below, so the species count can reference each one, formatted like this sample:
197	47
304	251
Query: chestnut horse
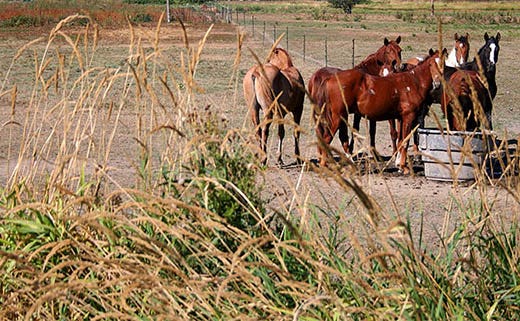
465	100
277	88
397	96
389	55
458	57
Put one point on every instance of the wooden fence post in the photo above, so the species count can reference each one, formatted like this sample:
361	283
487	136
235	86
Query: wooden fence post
263	36
304	48
326	53
353	48
287	38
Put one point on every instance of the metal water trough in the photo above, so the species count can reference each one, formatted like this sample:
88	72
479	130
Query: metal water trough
453	155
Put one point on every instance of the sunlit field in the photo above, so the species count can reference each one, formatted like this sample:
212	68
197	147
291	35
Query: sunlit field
132	186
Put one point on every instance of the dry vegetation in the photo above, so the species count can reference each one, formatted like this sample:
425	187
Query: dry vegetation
131	190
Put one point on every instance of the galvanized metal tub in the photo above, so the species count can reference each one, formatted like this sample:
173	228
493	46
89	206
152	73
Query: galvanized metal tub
453	155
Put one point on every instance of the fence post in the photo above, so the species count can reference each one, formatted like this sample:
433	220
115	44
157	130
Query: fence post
287	38
263	36
353	48
304	48
326	53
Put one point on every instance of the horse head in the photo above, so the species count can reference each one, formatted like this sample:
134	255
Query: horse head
435	62
461	48
280	58
386	68
488	54
391	51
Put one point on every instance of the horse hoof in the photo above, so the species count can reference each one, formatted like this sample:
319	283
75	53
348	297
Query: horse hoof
404	171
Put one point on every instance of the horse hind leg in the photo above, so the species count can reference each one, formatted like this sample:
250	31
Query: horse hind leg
324	137
263	140
281	135
393	134
297	118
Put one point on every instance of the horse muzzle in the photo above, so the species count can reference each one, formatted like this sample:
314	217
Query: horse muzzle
436	84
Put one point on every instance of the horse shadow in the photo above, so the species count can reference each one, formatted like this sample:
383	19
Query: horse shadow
366	163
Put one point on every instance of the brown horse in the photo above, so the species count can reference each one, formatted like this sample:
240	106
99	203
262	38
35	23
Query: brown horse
389	55
397	96
458	56
277	88
465	100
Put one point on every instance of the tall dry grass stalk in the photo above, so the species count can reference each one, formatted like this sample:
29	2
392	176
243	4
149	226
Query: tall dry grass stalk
189	237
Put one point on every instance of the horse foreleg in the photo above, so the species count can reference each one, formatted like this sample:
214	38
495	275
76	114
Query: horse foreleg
343	137
393	134
355	126
372	130
420	122
404	132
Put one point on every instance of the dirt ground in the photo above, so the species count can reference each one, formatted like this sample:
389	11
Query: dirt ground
438	205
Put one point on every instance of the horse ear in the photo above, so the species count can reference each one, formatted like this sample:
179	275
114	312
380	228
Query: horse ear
398	40
498	36
467	36
486	37
444	52
386	42
456	36
431	52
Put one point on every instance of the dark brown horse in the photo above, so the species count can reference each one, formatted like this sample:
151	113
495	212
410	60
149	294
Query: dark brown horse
397	96
277	88
465	100
389	55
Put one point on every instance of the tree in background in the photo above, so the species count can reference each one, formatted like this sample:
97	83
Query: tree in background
345	5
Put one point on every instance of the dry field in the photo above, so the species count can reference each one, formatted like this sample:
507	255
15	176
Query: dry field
437	205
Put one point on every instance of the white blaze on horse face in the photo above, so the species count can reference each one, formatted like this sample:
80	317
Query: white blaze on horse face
493	47
386	72
461	61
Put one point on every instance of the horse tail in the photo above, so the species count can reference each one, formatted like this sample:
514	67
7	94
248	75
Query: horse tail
262	87
318	98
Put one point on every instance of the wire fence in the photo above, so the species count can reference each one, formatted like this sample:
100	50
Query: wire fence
314	51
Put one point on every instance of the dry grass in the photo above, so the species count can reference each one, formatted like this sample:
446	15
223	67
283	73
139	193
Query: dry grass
189	236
